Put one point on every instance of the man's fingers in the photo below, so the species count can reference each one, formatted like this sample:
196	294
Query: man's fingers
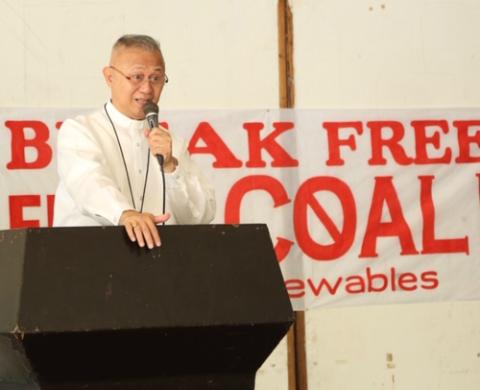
154	233
130	232
161	218
150	233
162	129
147	236
157	131
160	142
139	234
129	227
142	229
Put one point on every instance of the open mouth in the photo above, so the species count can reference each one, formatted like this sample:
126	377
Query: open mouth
141	101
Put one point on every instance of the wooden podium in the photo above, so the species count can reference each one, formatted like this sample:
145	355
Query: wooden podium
84	308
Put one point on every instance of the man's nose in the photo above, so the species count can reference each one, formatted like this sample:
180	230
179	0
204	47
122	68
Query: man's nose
146	85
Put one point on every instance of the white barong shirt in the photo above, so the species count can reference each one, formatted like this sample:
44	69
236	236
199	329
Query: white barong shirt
93	188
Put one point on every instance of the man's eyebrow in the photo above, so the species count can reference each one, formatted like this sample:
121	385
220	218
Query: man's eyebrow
156	69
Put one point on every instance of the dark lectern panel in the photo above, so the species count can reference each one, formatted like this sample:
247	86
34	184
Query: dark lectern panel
84	308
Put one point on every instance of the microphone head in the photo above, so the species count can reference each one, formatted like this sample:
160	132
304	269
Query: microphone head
150	108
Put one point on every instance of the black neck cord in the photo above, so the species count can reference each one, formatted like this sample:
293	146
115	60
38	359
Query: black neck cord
126	169
163	189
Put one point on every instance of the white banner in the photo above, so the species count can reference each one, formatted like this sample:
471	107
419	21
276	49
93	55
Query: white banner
363	207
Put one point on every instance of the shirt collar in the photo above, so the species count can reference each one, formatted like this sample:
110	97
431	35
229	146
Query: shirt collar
123	120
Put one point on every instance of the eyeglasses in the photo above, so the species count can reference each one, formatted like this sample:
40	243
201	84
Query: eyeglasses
139	78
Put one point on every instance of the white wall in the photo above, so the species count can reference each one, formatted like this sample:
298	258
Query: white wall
219	54
223	54
379	54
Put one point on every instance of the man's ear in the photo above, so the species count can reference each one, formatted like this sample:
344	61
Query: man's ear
107	74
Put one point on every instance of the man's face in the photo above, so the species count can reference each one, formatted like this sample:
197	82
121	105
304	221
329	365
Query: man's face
129	96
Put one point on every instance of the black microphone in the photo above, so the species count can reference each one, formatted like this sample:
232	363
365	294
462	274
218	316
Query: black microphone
151	114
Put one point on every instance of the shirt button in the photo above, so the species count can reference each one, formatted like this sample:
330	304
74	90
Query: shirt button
140	171
138	144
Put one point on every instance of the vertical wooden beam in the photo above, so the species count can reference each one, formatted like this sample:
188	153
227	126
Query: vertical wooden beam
285	55
299	343
297	357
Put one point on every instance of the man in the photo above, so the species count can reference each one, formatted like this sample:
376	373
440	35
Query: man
106	160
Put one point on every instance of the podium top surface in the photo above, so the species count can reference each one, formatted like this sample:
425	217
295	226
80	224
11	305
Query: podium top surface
94	278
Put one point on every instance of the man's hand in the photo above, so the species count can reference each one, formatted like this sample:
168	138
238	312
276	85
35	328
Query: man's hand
160	142
141	227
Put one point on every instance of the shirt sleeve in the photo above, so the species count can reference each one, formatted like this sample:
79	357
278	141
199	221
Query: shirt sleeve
191	196
85	174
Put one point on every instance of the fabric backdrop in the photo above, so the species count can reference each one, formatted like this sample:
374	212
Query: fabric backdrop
363	206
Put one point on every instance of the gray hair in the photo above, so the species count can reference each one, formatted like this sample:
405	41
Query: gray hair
141	41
